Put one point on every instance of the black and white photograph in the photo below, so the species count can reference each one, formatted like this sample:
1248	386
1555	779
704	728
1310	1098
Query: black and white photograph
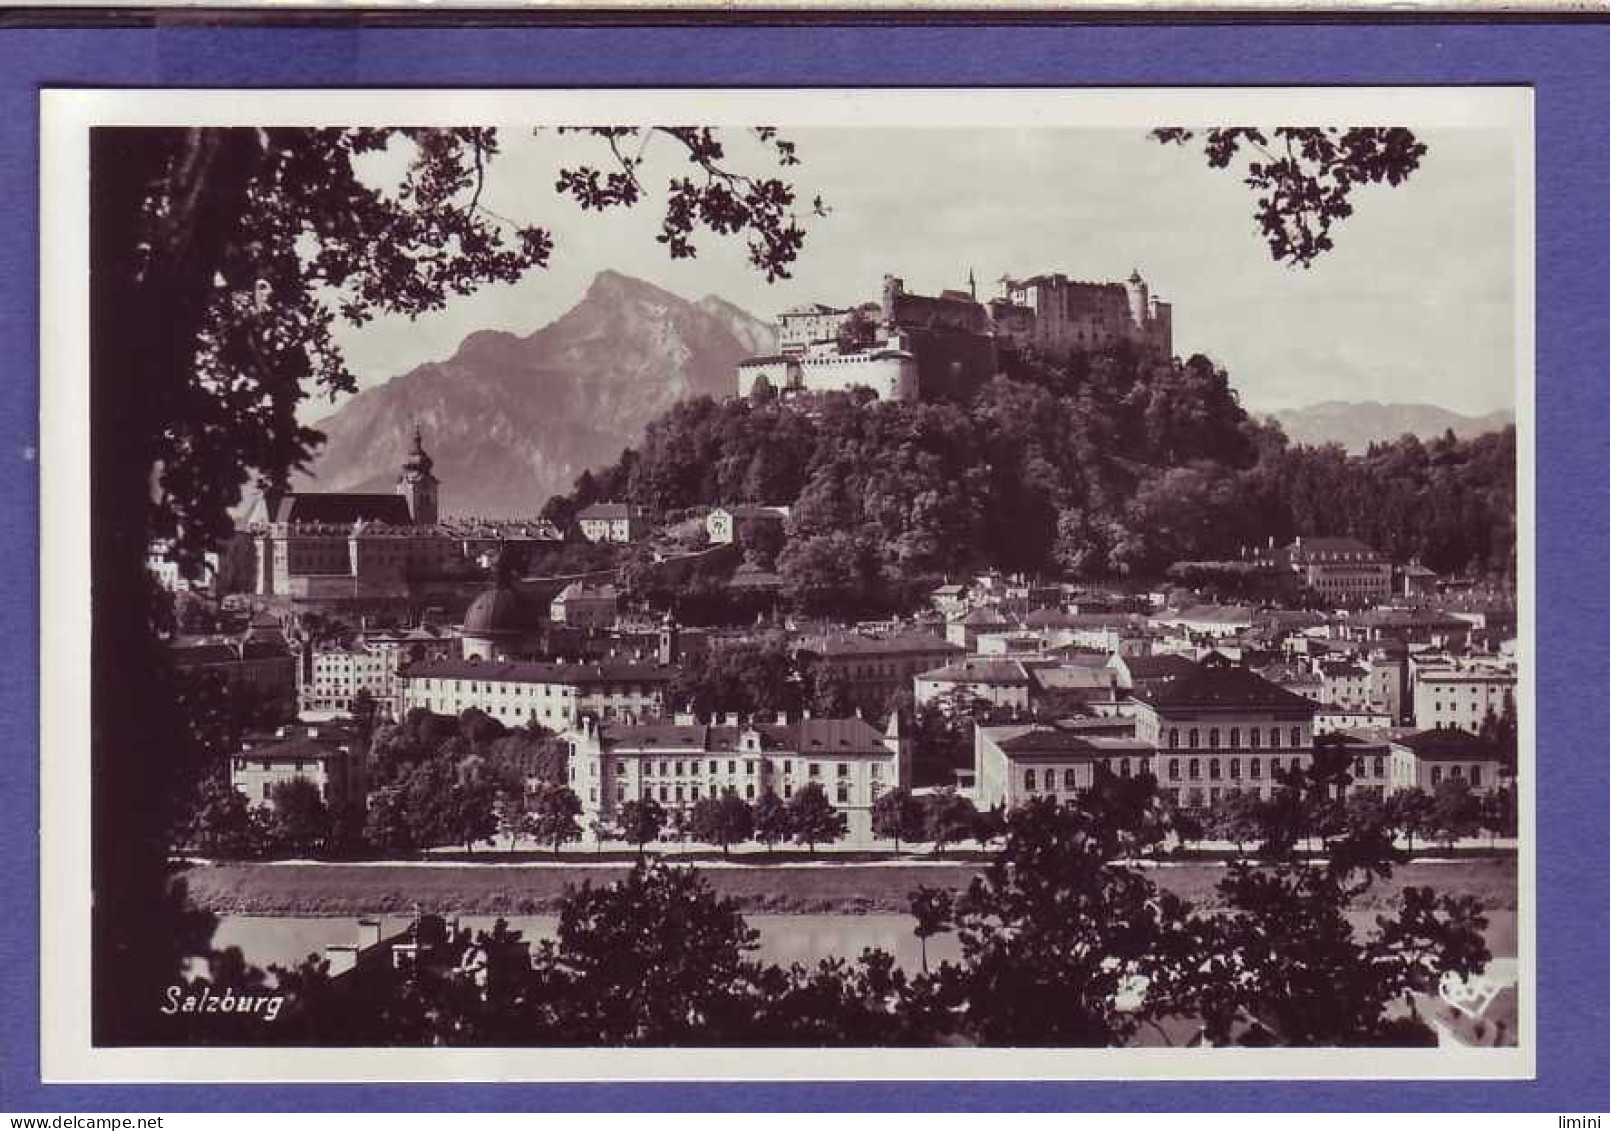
956	584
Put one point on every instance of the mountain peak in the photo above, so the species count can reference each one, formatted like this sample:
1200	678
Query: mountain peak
613	284
515	419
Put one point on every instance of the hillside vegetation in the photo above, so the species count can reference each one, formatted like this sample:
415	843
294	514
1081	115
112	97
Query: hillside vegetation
1110	465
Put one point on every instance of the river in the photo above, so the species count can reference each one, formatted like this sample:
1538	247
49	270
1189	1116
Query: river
284	940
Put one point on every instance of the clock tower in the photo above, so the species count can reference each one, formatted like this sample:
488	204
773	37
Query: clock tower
418	485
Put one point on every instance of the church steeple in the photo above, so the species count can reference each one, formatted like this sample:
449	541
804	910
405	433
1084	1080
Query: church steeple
418	484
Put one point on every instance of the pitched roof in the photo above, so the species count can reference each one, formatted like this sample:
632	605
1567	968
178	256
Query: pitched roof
1164	665
1048	740
850	644
1305	546
1444	743
610	511
1408	618
298	749
343	507
743	511
1221	685
974	670
808	736
533	672
1074	677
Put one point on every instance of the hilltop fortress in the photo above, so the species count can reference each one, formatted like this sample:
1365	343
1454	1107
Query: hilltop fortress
920	347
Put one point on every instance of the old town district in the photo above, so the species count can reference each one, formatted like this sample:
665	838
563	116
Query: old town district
1042	686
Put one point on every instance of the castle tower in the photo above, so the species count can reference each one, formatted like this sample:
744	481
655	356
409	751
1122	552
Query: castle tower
1139	299
893	289
418	484
670	641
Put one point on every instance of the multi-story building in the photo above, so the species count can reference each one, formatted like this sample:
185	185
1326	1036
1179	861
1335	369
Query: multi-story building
1143	676
1214	621
260	659
1343	683
583	604
1371	767
965	629
875	667
1004	684
678	763
351	547
1343	570
1013	764
613	522
1331	719
909	346
328	756
553	695
1223	727
1057	316
1388	669
1462	694
1406	626
329	679
1429	757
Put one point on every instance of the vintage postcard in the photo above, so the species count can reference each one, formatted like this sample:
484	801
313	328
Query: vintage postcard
740	584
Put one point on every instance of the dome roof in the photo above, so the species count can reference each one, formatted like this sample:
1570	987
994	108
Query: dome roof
495	612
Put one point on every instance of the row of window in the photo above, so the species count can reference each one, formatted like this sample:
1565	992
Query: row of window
677	795
1217	767
766	765
244	764
1193	737
1456	772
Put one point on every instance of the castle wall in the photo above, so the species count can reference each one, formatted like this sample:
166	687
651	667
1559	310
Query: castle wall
780	373
892	378
952	364
1069	316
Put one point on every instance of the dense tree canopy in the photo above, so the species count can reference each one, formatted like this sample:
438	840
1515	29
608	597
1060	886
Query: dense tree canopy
1112	462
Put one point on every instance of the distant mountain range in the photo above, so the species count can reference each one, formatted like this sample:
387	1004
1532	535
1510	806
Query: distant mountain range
511	420
1357	424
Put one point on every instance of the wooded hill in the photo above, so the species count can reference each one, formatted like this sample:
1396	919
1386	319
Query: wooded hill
1111	464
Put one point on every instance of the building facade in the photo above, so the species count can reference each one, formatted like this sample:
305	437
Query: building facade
553	695
613	522
1004	684
1016	764
583	604
678	763
1462	695
329	757
1223	727
329	679
875	667
1426	759
1343	570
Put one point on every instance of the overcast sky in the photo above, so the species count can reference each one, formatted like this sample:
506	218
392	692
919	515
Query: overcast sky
1416	302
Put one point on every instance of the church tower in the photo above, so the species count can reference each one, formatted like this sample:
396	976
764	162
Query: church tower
418	485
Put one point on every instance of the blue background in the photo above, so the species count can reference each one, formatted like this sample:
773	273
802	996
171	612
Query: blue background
1565	62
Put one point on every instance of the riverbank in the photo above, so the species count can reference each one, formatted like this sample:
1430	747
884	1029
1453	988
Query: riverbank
379	889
